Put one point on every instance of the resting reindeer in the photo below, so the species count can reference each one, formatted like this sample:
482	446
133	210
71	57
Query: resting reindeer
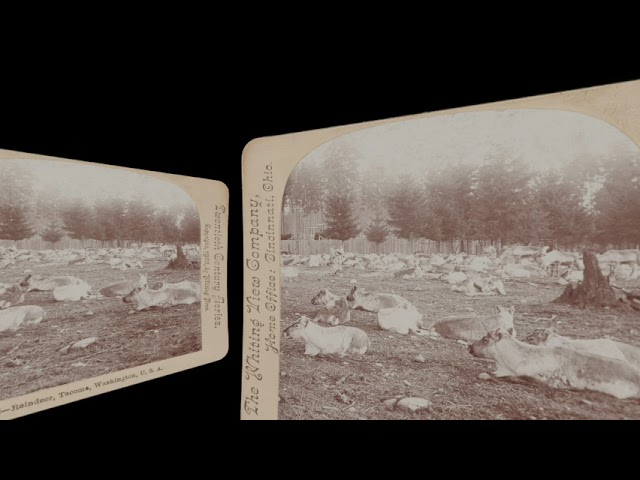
11	295
410	273
186	284
471	329
552	261
124	288
335	309
72	293
490	251
604	347
401	320
480	286
163	297
374	302
557	367
48	284
319	340
14	317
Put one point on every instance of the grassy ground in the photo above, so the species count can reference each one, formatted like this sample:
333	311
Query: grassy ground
29	357
353	388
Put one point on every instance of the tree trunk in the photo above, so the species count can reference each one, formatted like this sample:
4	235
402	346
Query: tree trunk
594	291
181	262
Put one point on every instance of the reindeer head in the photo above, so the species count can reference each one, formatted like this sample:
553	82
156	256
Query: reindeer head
295	330
132	296
26	282
486	347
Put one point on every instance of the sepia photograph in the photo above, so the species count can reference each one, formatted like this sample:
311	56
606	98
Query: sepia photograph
473	265
99	272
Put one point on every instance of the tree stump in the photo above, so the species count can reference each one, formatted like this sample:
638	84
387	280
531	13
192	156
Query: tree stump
181	262
594	291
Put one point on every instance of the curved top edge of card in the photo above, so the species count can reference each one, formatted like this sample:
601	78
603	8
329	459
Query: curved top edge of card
260	143
109	276
8	154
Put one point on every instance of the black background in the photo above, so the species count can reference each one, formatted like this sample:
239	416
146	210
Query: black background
197	123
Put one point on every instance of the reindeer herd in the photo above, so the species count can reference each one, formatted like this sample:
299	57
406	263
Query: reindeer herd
473	275
16	312
597	364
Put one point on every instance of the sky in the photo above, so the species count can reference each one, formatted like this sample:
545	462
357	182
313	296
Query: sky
543	138
91	182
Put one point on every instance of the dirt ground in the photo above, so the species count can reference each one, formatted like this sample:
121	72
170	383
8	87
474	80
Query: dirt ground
354	388
30	358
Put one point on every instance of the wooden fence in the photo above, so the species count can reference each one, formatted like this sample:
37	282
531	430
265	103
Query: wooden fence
302	226
392	245
36	243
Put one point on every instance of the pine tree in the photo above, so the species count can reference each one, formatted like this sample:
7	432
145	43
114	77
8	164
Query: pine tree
13	222
52	233
16	183
46	203
618	203
168	223
406	208
78	220
375	188
339	185
530	225
340	174
140	220
502	196
15	201
190	225
341	221
560	195
110	219
377	231
303	189
449	198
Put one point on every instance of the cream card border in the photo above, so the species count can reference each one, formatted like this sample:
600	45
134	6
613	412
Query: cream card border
266	165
